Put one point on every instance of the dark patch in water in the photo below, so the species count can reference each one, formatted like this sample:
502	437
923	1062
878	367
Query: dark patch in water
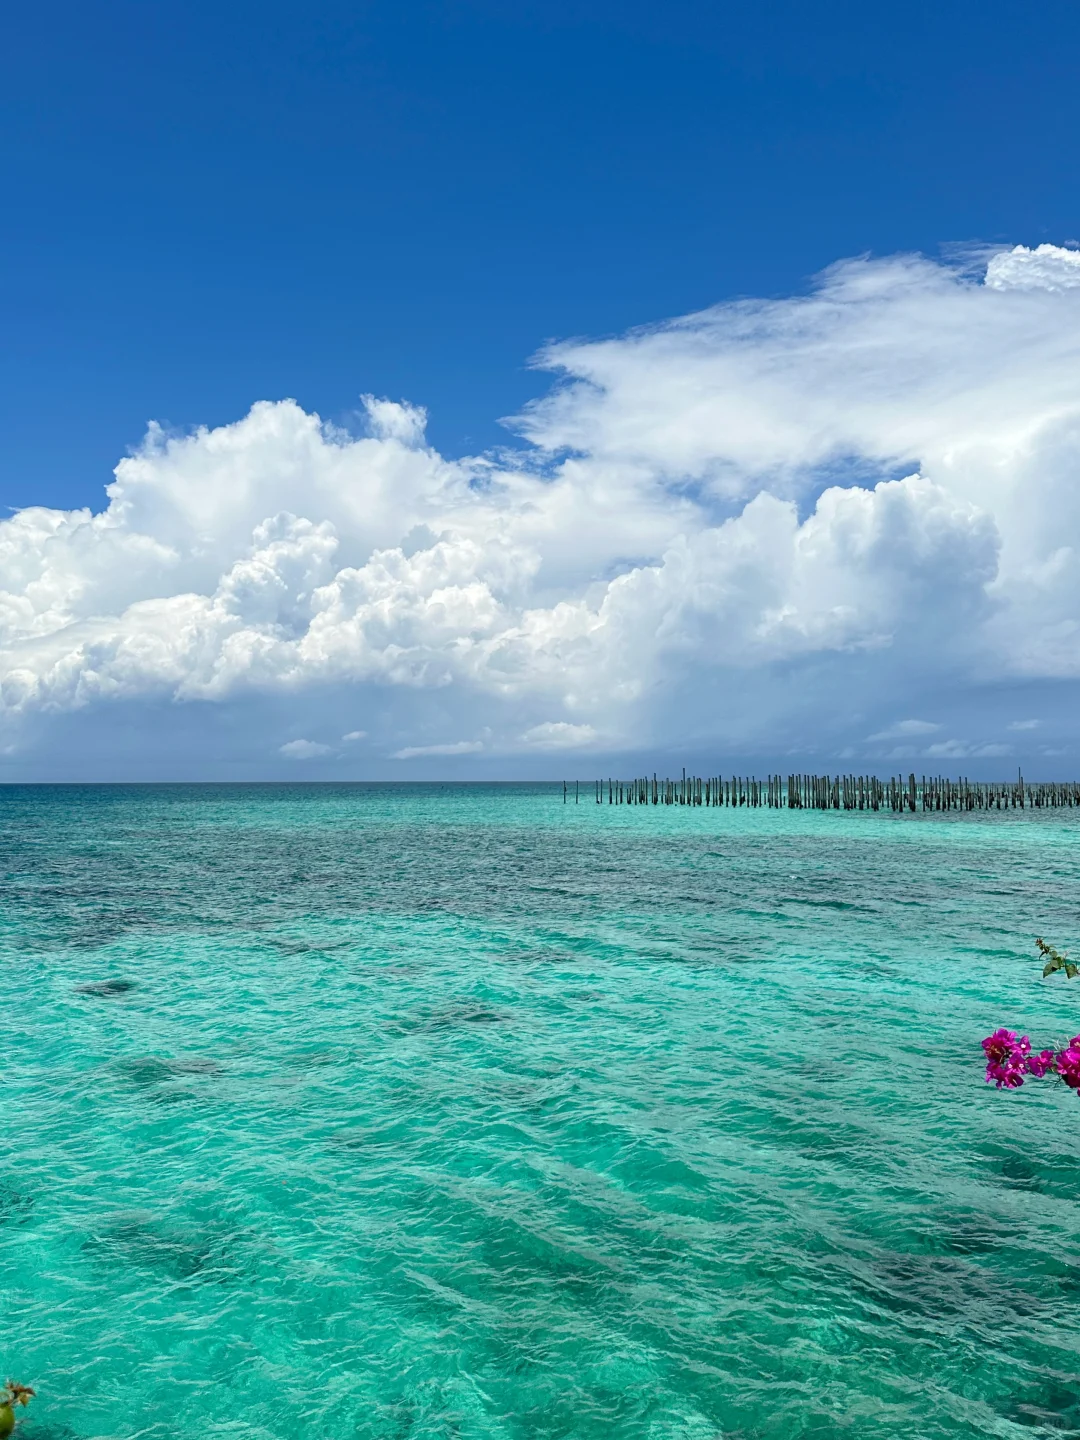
1020	1174
306	947
370	1138
822	1072
317	1059
156	1075
195	1065
449	1019
1053	1408
15	1207
826	904
106	988
462	1015
973	1237
137	1238
936	1286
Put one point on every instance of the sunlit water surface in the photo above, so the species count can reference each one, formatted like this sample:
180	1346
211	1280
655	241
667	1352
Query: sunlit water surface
358	1111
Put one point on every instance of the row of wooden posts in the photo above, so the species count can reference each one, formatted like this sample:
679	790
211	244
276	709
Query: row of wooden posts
833	792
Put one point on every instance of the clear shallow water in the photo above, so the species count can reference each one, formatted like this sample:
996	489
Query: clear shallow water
453	1112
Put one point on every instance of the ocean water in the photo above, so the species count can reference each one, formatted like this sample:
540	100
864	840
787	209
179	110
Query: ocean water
432	1111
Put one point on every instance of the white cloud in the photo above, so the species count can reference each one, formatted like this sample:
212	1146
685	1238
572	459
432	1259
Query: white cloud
1023	725
1047	267
458	747
963	750
740	527
389	420
948	750
900	729
559	735
304	750
355	735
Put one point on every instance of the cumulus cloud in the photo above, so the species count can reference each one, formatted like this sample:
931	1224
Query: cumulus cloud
304	750
559	735
456	747
1047	267
964	749
766	521
901	729
355	735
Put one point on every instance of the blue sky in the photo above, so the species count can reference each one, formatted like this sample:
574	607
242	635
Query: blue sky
212	207
207	205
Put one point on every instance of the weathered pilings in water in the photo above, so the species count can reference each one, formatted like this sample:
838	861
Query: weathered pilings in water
838	792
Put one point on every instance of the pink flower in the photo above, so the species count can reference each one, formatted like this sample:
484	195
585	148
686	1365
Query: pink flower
1067	1063
1009	1059
1003	1044
1006	1058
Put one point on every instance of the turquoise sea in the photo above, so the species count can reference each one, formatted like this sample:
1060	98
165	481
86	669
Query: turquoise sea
408	1112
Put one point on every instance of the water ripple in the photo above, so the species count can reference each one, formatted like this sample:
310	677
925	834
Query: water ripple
454	1112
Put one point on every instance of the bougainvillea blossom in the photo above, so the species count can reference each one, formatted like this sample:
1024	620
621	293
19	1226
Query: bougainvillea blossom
1006	1058
1067	1063
1009	1060
1040	1064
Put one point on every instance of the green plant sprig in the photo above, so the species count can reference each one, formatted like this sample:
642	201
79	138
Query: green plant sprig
1056	961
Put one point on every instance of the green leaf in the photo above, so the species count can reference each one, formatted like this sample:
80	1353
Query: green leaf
1071	971
1049	968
